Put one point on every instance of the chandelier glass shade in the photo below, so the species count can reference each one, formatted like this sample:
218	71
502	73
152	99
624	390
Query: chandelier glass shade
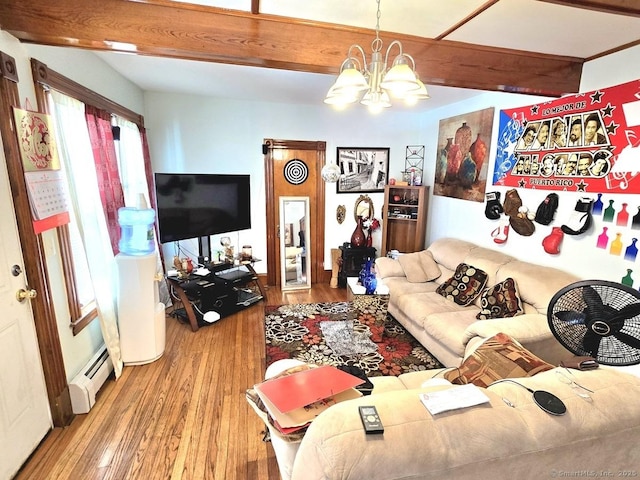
374	84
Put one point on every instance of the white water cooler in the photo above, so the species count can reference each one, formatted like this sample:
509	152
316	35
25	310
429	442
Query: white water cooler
141	316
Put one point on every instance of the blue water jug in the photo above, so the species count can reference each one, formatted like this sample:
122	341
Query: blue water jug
136	230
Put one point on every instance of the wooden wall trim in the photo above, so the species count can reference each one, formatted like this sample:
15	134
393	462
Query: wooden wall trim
178	30
8	70
272	239
296	144
318	204
49	78
33	254
619	7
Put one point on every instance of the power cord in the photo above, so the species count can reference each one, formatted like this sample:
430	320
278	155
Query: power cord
510	381
505	399
548	402
195	307
179	250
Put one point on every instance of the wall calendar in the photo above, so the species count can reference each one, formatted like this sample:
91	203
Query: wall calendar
44	179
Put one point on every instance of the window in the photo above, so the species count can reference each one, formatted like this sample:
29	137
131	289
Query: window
81	298
68	108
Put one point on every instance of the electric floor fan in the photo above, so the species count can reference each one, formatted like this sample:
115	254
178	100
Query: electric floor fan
598	318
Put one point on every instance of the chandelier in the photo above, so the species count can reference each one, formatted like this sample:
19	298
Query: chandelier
374	84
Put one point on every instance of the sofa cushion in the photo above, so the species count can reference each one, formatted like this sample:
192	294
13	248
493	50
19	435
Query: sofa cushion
464	286
500	301
490	261
450	328
536	284
498	357
419	267
400	286
419	306
450	252
388	267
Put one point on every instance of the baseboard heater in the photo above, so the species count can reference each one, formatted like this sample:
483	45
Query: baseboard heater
84	387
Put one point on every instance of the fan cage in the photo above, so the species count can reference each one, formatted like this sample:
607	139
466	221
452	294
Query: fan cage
571	333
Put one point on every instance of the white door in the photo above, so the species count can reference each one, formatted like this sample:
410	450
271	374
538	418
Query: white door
24	408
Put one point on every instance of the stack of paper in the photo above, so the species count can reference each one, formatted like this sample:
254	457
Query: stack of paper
453	398
295	400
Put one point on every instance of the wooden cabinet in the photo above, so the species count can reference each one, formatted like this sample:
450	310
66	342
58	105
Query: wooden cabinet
404	218
352	260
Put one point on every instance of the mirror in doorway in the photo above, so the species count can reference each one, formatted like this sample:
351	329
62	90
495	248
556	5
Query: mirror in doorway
295	260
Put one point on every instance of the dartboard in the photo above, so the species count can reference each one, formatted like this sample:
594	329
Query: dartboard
296	171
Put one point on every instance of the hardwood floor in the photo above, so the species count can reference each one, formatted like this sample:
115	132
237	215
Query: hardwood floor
183	416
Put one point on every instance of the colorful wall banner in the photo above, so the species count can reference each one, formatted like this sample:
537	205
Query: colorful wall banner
589	142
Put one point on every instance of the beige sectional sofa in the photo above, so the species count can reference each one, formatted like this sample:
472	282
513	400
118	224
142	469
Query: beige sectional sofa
494	441
509	437
447	329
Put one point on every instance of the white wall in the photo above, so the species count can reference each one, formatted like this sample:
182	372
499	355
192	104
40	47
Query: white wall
578	254
207	135
204	134
87	69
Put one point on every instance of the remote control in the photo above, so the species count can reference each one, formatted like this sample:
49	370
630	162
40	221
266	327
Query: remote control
370	420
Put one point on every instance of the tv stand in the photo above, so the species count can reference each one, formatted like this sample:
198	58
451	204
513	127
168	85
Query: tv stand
226	289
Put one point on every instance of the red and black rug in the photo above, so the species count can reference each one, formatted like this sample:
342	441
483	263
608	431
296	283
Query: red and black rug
359	333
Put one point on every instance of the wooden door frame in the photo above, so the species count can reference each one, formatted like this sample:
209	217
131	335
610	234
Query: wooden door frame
316	207
33	253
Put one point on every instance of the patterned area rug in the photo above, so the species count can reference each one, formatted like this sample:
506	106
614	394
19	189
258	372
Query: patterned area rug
296	331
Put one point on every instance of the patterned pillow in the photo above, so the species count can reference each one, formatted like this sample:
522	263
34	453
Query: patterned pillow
500	301
498	357
464	286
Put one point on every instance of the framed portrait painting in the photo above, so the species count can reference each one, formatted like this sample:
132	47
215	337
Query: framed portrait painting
362	169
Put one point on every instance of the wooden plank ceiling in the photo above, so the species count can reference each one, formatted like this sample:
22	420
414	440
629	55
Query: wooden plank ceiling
187	31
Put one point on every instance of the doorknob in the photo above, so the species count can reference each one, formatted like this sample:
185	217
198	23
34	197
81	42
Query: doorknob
23	294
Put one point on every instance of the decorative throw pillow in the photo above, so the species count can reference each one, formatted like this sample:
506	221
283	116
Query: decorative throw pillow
464	286
500	301
498	357
419	267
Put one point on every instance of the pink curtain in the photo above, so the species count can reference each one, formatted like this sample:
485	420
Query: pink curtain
106	163
148	172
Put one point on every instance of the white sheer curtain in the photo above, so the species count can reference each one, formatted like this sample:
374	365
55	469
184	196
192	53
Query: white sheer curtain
77	157
131	163
134	182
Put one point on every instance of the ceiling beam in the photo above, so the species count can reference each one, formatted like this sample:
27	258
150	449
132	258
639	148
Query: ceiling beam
620	7
482	8
182	30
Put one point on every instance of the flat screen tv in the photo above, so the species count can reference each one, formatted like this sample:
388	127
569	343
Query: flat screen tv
194	205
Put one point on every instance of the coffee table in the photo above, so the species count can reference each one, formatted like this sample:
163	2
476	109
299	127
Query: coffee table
354	288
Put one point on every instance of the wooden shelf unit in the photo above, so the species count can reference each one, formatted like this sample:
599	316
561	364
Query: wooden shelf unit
404	218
